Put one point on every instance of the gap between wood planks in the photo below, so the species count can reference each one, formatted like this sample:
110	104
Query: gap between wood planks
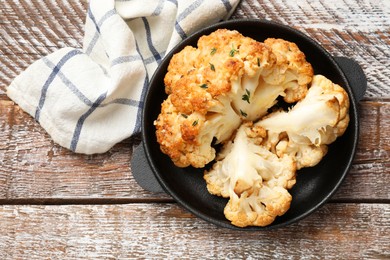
113	201
81	201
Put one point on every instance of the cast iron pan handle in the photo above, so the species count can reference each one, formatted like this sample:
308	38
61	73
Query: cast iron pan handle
142	172
355	76
144	175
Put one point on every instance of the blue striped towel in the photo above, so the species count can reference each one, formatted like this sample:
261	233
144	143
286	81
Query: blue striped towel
90	99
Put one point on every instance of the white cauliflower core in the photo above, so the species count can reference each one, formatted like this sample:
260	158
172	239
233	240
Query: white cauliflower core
221	92
256	169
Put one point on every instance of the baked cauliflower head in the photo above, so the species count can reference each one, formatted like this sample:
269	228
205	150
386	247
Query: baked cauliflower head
258	166
253	178
227	79
222	92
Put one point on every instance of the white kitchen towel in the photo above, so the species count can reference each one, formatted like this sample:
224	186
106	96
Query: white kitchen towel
92	98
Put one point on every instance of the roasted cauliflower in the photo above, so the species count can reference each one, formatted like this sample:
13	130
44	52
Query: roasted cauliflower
314	122
222	92
227	79
256	169
253	178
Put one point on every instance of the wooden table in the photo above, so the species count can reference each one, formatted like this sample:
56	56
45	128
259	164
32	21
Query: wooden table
59	205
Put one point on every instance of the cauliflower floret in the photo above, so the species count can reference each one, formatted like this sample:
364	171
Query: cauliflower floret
255	179
259	208
227	79
288	77
294	72
187	138
314	122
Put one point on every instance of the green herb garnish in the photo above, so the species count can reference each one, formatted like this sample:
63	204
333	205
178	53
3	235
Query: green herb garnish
258	62
184	115
213	51
232	51
243	113
246	97
212	67
204	86
195	122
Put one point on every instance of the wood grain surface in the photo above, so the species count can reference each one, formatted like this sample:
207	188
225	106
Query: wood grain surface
59	205
120	232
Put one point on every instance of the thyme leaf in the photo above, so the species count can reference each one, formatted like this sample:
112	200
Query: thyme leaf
204	86
212	67
195	122
243	113
213	51
246	97
232	51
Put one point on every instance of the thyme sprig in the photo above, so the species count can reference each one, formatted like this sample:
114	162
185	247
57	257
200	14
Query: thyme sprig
246	97
232	51
243	113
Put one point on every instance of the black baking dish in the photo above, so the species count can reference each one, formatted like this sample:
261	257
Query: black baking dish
314	185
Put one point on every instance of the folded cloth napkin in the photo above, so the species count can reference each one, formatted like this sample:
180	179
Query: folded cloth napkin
92	98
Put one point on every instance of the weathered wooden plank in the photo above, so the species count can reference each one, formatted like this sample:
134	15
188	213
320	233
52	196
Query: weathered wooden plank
356	29
374	139
373	154
32	29
32	166
159	231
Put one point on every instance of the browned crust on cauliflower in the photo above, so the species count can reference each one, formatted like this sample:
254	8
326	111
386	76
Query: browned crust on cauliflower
177	134
221	57
291	58
223	68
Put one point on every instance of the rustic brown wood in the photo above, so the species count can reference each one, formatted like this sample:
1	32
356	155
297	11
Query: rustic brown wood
32	29
118	219
155	231
29	154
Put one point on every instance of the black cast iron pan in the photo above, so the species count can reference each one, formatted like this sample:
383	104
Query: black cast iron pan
155	172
